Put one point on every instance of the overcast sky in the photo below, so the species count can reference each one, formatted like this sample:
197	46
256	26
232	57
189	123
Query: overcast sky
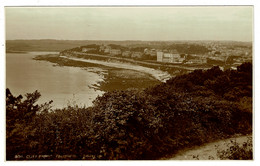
131	23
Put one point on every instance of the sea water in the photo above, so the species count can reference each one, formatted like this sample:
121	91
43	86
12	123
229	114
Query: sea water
62	84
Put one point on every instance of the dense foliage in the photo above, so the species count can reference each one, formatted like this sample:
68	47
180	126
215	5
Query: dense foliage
20	115
187	110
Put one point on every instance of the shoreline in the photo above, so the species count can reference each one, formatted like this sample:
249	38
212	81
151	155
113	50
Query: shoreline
65	85
157	74
114	78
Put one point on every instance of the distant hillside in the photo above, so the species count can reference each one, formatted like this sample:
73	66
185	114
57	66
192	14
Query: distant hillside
42	45
60	45
57	45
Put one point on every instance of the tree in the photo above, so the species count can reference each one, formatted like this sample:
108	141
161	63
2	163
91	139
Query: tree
19	116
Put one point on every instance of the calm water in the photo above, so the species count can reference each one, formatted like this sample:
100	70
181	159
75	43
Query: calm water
63	85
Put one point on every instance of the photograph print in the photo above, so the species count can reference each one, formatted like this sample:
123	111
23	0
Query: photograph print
129	83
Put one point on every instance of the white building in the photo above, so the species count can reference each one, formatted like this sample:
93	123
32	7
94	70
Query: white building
159	56
136	55
87	49
169	57
126	54
107	49
115	52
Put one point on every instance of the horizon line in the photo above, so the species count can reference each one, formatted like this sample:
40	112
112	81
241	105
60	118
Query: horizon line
137	40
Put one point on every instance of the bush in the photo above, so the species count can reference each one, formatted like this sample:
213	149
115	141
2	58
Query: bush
20	115
187	110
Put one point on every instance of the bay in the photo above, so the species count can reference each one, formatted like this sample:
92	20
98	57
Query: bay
62	84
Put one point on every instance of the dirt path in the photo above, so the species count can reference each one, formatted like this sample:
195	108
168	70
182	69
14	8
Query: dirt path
209	149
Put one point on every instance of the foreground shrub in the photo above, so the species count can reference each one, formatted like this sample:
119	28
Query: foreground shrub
20	115
188	110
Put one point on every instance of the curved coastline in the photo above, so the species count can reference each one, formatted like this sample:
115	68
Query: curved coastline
157	74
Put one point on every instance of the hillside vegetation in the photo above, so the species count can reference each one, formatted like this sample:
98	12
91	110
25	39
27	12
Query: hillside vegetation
50	45
187	110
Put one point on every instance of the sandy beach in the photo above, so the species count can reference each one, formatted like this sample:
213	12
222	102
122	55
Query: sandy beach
157	74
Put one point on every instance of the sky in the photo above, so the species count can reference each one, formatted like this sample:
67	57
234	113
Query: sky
130	23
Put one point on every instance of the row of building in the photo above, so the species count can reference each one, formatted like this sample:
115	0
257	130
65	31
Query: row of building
115	52
168	56
180	58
